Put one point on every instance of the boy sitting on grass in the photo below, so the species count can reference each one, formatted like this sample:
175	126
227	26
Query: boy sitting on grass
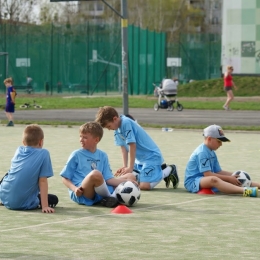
25	186
203	169
87	172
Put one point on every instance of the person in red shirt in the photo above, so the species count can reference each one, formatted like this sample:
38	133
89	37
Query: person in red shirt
228	86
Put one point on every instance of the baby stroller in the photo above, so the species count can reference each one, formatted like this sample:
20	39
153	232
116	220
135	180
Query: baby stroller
165	92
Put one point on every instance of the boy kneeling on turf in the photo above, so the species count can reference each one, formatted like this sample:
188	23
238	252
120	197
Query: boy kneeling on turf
87	172
25	186
203	169
145	157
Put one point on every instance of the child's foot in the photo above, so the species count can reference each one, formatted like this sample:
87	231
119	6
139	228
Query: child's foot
109	202
250	192
173	177
11	123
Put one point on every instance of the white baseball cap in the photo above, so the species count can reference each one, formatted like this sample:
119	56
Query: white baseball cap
215	131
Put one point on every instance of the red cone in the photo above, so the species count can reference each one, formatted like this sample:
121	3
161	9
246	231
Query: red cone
206	192
121	209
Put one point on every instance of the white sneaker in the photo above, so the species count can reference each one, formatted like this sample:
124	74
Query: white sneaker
226	108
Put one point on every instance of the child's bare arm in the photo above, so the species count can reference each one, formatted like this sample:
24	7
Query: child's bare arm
124	156
132	153
43	184
77	190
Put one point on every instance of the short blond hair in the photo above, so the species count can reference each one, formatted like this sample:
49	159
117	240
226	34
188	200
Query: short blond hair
8	80
93	128
229	67
32	135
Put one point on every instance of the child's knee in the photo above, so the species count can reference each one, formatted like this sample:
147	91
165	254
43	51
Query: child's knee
214	180
145	186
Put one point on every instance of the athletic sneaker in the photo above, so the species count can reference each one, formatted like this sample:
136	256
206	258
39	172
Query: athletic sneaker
10	123
173	177
250	192
109	202
226	108
52	201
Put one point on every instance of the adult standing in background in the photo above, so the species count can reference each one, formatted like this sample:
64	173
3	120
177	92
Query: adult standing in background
29	85
228	87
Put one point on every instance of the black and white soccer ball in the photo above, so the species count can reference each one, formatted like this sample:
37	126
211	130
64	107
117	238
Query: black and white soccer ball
244	178
128	193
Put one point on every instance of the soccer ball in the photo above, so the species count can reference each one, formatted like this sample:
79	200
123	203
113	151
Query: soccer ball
244	178
128	193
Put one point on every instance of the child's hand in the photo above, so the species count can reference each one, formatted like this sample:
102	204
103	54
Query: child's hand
78	191
120	172
234	180
134	181
123	171
48	210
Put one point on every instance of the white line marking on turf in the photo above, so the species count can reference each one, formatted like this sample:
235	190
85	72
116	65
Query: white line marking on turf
69	220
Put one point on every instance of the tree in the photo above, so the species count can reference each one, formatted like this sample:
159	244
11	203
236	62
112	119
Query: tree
18	10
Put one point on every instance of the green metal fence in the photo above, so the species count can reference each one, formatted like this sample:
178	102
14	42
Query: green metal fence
80	58
200	56
86	58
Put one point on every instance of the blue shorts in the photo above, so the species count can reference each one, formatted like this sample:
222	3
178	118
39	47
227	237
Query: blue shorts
9	107
193	186
149	173
86	201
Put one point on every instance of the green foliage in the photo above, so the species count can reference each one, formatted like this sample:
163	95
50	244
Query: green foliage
247	86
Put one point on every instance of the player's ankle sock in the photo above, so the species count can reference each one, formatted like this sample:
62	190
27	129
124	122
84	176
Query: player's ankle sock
102	190
167	171
113	194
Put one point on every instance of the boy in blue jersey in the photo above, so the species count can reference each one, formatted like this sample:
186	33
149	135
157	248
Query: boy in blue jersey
25	185
87	172
10	100
203	169
145	157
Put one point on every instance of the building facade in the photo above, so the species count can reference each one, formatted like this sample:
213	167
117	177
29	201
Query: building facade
241	36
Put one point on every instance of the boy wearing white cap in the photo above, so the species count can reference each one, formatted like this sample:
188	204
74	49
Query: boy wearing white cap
204	172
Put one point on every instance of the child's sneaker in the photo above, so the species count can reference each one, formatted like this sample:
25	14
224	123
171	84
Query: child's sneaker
250	192
109	202
10	123
173	177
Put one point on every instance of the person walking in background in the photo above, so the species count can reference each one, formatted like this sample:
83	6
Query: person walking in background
10	100
47	87
29	85
228	86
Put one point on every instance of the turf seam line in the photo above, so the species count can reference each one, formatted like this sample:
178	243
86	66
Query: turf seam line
109	214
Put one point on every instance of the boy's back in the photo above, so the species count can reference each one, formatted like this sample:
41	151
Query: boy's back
19	188
146	149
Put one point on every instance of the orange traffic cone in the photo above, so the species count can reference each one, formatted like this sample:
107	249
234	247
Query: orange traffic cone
206	192
121	209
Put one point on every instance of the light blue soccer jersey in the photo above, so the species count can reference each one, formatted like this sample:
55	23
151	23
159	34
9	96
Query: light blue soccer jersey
19	189
80	163
148	157
201	160
147	152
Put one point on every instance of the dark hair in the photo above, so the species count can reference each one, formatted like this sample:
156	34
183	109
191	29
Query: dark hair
131	117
